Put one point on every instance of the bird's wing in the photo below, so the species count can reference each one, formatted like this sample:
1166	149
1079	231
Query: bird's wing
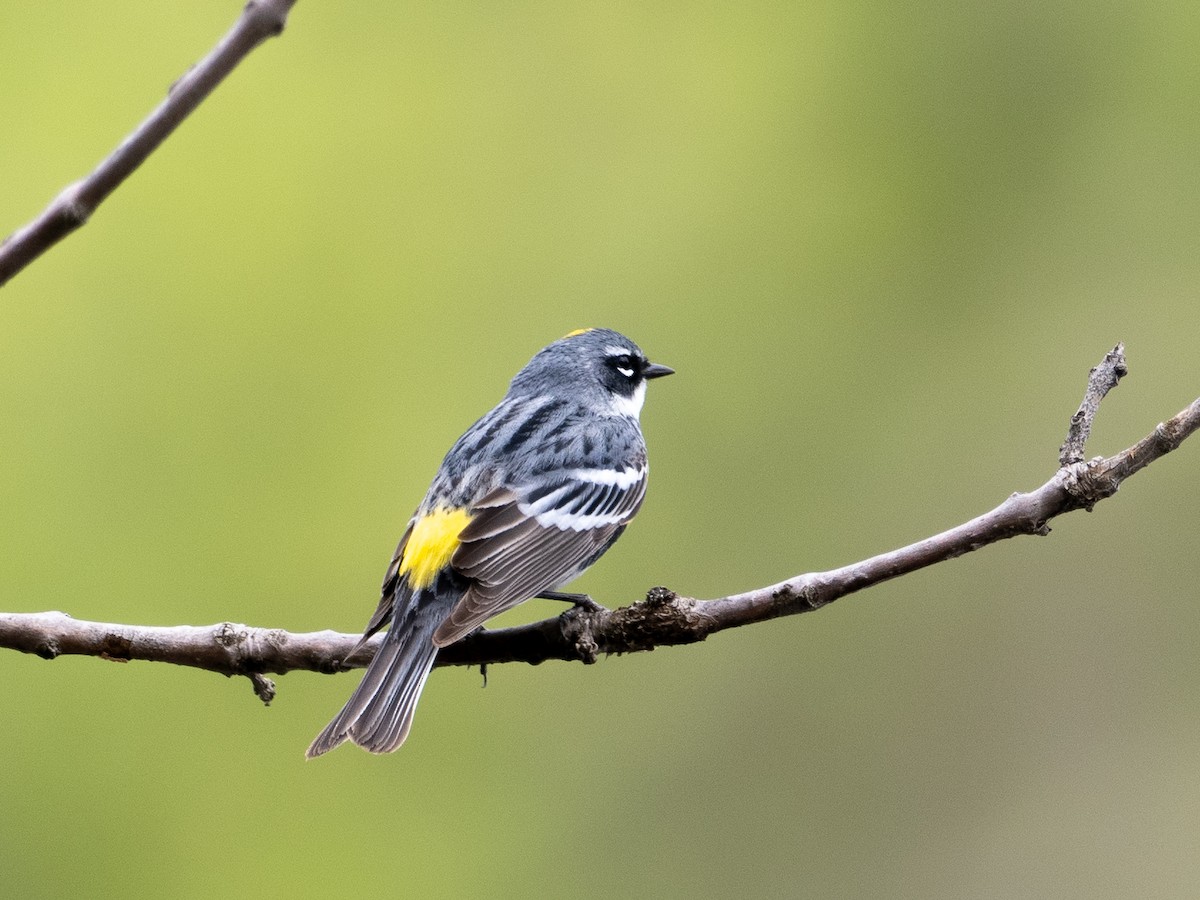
383	612
522	542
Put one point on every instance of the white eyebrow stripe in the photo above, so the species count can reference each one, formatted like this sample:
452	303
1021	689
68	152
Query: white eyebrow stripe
614	350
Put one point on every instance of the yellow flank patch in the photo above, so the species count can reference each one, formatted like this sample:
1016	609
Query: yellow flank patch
578	331
433	541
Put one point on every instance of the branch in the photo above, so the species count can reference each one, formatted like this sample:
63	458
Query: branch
1101	379
259	20
662	619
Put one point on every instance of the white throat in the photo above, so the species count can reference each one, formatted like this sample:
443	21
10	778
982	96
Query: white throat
632	405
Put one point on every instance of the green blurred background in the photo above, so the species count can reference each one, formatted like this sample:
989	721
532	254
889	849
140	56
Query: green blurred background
881	243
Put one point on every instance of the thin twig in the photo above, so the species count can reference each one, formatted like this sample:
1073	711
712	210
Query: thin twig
1101	379
260	19
662	619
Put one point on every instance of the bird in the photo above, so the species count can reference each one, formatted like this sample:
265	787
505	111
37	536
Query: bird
528	498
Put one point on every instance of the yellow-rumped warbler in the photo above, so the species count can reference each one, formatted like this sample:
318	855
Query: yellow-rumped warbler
528	498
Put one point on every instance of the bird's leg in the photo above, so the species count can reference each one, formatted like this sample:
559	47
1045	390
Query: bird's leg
474	633
579	601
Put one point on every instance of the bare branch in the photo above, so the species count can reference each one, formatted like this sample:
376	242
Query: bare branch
662	619
1101	379
260	19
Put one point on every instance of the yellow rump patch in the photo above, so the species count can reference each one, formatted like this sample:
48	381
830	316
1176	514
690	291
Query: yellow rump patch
433	541
577	332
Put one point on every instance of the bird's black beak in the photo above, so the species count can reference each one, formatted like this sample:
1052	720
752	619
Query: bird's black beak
654	370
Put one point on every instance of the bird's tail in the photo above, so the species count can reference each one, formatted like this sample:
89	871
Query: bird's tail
379	713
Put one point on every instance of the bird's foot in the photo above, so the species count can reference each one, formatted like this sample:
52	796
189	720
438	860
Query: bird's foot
579	601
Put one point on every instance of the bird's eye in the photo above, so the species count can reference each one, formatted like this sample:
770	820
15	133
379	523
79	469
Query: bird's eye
625	364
